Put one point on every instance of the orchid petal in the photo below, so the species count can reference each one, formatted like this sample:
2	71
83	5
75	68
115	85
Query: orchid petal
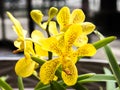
63	17
69	73
77	16
47	71
51	44
87	27
86	50
24	67
28	47
53	28
19	44
17	26
72	34
40	51
37	35
81	40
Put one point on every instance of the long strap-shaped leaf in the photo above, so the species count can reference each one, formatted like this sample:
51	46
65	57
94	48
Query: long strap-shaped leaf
110	85
113	64
98	78
5	85
112	60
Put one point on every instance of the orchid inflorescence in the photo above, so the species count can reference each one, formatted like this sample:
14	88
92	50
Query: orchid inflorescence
66	40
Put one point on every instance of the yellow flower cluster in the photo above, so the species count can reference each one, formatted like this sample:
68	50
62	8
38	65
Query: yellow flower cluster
66	41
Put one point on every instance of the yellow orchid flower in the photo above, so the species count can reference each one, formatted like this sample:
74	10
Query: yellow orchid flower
25	66
65	19
67	56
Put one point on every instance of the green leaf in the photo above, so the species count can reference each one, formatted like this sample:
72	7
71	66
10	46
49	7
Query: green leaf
41	86
113	64
103	42
57	86
98	78
117	88
85	76
5	85
4	78
110	85
112	60
79	86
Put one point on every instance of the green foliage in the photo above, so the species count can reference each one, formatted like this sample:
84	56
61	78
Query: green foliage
110	85
5	85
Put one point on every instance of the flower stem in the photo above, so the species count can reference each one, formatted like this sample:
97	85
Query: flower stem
20	83
47	30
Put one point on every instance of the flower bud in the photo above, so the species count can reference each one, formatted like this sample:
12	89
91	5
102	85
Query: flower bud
36	16
52	12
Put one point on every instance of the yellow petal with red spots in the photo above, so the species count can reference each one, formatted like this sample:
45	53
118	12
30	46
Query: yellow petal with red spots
72	34
86	50
87	27
51	44
47	71
63	17
77	16
73	57
69	73
81	40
